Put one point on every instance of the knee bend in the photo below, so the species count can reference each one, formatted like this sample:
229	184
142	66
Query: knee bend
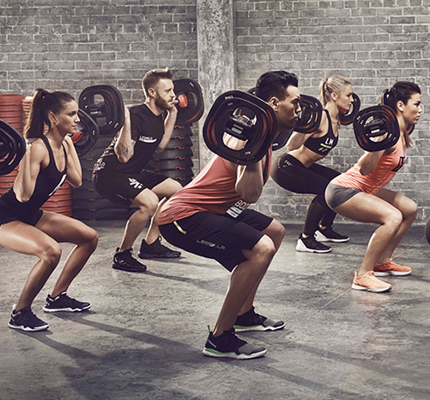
265	248
278	229
412	210
51	254
394	220
92	239
150	205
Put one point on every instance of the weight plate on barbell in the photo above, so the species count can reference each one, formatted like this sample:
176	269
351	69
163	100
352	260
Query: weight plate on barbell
190	106
12	148
243	116
376	128
86	135
310	114
104	104
347	117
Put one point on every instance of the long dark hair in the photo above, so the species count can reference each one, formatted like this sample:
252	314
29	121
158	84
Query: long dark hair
43	103
400	91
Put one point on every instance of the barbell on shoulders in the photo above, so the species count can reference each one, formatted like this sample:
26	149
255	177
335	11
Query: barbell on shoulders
376	128
190	103
13	145
243	116
104	104
12	148
346	117
86	134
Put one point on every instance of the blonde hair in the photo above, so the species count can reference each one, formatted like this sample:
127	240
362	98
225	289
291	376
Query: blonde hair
334	84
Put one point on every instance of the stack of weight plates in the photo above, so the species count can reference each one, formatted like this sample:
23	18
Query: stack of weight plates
10	112
88	205
176	160
61	201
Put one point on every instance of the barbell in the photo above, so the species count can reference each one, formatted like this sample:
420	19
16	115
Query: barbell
376	128
101	112
190	103
12	148
243	116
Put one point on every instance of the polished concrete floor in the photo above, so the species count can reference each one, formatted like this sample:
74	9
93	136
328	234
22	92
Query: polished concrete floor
144	335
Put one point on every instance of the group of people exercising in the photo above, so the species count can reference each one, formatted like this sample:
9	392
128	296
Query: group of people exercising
210	216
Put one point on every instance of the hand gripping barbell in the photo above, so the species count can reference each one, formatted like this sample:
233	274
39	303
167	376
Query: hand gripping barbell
376	128
243	116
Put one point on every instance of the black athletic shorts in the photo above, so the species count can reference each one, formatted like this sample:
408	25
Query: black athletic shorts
123	188
6	217
219	237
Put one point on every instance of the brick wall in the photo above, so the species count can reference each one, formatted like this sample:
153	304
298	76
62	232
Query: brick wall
373	43
68	45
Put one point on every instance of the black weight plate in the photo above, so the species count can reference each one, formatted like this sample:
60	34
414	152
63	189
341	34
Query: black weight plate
108	113
12	148
193	109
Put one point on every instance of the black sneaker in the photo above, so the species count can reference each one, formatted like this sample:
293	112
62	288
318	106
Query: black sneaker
329	235
64	303
157	250
126	262
251	321
26	320
230	346
311	245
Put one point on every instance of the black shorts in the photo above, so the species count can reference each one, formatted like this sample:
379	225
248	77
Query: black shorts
123	188
32	219
219	237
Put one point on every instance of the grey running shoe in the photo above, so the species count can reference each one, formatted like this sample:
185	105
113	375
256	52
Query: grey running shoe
230	346
251	321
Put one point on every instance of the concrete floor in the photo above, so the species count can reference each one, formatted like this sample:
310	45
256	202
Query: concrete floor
144	335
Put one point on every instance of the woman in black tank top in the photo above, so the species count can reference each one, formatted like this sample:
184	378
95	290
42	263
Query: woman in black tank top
297	170
49	160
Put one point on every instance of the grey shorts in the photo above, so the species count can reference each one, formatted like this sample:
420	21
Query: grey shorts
336	195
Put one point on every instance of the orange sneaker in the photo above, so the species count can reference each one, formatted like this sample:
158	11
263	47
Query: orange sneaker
370	283
391	268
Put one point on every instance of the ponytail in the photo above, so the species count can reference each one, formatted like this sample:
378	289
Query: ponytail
43	103
400	91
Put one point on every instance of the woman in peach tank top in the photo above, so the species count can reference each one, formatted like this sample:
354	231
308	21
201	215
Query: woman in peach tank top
359	194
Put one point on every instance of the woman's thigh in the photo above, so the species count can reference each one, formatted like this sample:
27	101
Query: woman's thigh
364	207
399	201
65	229
24	238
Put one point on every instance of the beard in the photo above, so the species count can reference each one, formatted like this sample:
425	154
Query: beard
163	104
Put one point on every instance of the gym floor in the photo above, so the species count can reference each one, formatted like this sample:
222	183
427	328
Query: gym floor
144	335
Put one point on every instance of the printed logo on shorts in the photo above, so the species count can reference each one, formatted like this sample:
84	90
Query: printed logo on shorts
237	209
210	244
147	139
135	183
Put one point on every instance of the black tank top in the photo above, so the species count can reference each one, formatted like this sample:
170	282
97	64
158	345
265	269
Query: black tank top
147	130
48	182
322	145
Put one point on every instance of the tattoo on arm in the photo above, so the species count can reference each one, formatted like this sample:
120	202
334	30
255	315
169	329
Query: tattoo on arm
122	150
